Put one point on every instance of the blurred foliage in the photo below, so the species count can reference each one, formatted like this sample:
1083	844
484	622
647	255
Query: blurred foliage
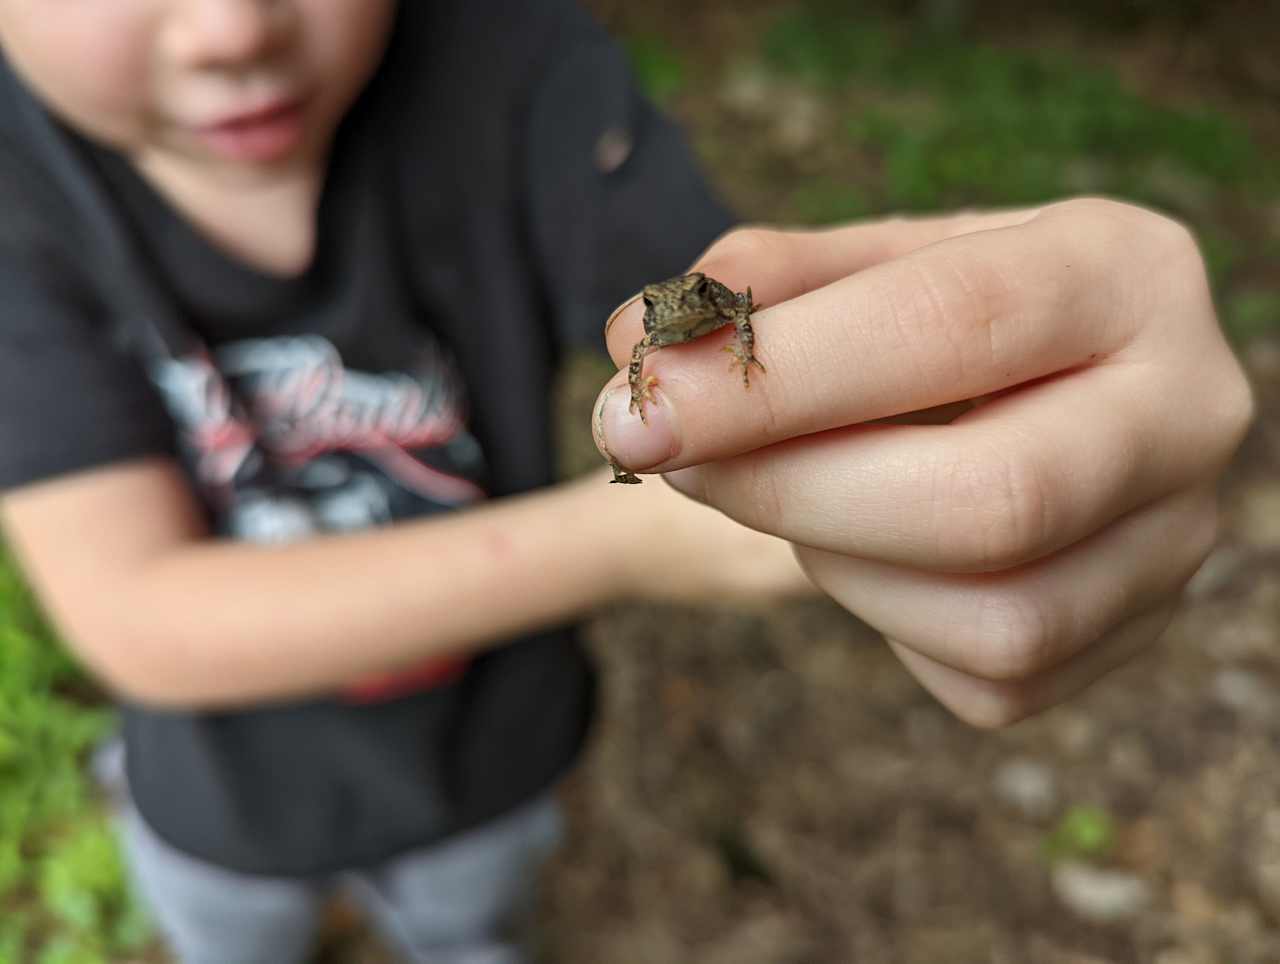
1251	312
911	113
1002	126
1111	15
657	66
63	894
1083	833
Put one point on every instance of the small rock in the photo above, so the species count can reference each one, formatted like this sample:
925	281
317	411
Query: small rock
1246	693
1027	786
748	90
1100	896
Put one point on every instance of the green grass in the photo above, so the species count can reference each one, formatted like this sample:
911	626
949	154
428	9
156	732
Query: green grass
63	898
934	122
960	123
658	67
1251	312
1083	833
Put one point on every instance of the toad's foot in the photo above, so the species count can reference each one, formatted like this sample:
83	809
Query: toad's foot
743	358
641	395
622	475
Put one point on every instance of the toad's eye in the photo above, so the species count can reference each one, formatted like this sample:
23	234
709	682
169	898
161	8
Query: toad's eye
648	302
701	287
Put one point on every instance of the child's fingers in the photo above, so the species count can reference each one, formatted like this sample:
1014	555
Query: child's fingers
1015	625
994	703
956	319
1008	482
779	265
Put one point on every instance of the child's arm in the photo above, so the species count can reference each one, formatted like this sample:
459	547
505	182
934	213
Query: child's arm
123	563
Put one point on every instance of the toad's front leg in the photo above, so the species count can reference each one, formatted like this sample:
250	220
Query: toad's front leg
743	349
640	393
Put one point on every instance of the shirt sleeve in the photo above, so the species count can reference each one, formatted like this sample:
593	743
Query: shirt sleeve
70	399
616	197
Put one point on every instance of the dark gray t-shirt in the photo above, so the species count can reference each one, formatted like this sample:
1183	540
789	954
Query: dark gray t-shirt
495	191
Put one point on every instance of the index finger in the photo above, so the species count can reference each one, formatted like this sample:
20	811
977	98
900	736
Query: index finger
782	264
958	318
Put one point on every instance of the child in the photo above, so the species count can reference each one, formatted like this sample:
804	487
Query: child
335	280
284	287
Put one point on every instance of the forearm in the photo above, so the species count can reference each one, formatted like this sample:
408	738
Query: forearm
123	561
218	622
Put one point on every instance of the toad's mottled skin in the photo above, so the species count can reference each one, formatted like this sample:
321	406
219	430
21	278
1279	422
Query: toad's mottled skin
679	310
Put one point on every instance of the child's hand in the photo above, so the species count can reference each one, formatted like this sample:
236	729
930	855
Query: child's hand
1042	536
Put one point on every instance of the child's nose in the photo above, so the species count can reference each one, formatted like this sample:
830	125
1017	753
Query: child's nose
211	33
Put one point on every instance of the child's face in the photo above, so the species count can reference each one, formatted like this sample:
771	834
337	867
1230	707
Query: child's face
209	84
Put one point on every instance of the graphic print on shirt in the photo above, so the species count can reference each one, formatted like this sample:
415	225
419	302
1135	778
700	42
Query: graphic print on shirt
286	442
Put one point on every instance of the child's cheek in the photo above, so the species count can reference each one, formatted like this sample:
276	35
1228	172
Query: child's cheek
89	62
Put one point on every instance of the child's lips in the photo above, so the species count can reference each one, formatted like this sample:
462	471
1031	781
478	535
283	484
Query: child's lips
263	134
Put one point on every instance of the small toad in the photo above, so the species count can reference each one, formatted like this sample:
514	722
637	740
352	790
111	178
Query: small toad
679	310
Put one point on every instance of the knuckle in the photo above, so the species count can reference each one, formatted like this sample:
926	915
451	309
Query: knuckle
1120	216
935	302
1225	409
1014	637
747	245
948	297
997	511
762	504
1164	240
1204	532
1091	207
1167	238
743	490
1242	403
1093	221
1235	408
993	708
1174	257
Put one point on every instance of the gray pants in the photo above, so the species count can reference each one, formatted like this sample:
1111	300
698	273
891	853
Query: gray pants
457	902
